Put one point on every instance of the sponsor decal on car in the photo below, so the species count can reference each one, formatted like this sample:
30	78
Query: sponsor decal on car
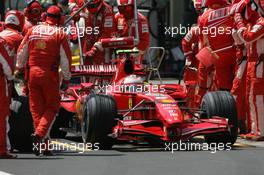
130	103
169	101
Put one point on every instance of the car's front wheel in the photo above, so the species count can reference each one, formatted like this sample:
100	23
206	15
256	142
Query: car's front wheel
99	112
222	104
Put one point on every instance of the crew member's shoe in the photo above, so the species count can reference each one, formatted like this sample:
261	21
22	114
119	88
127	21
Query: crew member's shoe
257	138
8	156
47	153
253	137
36	140
243	136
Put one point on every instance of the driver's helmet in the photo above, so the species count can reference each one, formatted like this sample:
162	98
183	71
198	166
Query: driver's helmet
133	79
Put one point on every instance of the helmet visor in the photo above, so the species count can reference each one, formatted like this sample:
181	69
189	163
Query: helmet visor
35	11
93	4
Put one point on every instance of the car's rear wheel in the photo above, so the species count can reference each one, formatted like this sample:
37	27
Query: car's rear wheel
222	104
21	125
99	112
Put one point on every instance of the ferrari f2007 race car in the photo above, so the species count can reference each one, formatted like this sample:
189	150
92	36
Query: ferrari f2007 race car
107	103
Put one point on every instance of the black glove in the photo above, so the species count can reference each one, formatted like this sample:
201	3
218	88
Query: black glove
13	90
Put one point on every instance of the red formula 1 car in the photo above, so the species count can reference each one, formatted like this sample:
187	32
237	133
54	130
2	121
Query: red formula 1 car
120	105
108	103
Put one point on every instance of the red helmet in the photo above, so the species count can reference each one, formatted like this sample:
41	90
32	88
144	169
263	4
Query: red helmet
33	11
125	2
126	8
14	19
94	6
207	3
54	15
198	5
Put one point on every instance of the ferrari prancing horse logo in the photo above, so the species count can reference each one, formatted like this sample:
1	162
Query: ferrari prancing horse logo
40	45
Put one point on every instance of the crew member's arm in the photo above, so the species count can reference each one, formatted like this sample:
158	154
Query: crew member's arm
144	38
108	30
65	58
192	37
5	62
249	35
22	52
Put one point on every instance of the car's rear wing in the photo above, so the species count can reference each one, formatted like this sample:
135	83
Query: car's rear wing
93	70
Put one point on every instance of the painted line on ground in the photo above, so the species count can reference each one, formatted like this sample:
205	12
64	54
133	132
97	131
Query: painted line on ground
4	173
241	145
250	143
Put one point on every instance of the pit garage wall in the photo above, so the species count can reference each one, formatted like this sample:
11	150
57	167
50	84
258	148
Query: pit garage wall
176	11
181	12
173	66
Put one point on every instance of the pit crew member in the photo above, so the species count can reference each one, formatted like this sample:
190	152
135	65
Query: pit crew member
14	23
101	24
5	76
45	48
32	13
239	82
253	36
126	28
190	47
217	50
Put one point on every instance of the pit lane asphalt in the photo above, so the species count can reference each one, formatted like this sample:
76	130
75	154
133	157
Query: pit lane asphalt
247	158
